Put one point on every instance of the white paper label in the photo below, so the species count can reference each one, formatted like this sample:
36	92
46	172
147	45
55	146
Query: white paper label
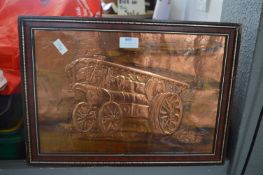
3	80
129	42
60	46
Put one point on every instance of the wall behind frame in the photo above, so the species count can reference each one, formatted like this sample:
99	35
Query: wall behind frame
248	95
187	10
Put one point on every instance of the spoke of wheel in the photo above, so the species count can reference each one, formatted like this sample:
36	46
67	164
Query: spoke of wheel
165	108
177	116
79	112
90	120
117	116
115	110
109	126
166	102
116	124
117	121
164	123
177	110
110	117
80	119
80	122
82	116
164	117
163	112
177	102
105	122
171	127
91	114
175	105
107	117
114	118
108	121
173	122
111	111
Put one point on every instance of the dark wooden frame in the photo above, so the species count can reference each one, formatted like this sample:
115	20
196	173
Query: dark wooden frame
27	24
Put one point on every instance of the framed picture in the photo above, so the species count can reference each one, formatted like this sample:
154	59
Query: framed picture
126	92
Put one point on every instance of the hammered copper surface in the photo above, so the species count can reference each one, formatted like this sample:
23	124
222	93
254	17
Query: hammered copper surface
99	98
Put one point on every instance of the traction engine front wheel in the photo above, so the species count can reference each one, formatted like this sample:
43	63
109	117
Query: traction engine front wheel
110	117
84	117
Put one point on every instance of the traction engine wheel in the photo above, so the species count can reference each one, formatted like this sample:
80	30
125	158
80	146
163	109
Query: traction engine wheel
84	117
167	112
110	117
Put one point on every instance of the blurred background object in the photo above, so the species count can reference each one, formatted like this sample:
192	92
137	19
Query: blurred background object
187	10
3	81
11	118
131	7
9	12
11	127
162	9
128	8
109	7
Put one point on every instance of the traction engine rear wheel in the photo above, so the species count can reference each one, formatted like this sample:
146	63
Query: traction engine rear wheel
167	112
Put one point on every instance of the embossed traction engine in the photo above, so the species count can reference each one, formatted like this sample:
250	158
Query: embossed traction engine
107	93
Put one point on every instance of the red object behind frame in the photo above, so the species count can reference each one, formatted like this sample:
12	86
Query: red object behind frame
10	10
